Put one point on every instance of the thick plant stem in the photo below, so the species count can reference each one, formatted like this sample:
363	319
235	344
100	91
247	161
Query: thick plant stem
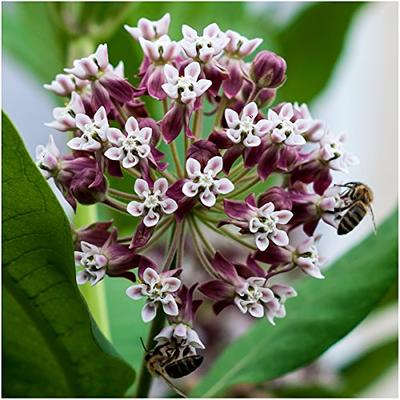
145	378
94	295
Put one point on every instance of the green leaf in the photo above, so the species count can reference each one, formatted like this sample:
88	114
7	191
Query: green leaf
369	367
52	347
322	314
311	46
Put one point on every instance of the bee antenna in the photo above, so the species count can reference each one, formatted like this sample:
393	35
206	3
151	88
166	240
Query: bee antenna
144	347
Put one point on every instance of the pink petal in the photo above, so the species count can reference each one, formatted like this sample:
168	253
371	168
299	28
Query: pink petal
131	125
135	291
250	110
149	49
309	268
169	305
190	189
101	56
252	141
134	32
262	241
192	71
150	276
224	186
267	209
160	185
280	238
171	51
232	118
188	32
75	143
81	120
151	219
141	187
286	111
134	208
201	86
193	168
263	127
149	311
115	136
146	28
101	115
211	30
256	310
171	73
171	90
214	165
129	161
163	24
284	216
171	284
208	198
249	46
169	206
145	134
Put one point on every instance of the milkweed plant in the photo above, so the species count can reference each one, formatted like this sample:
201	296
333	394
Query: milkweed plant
282	147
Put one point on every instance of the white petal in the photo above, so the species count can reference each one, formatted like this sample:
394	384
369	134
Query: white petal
151	219
114	153
262	241
280	238
208	198
115	136
169	206
192	71
224	186
232	118
256	310
193	168
149	311
141	187
135	208
190	189
250	110
214	165
150	276
132	126
160	186
135	291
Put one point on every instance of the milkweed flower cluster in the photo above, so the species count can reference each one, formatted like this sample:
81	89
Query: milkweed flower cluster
204	178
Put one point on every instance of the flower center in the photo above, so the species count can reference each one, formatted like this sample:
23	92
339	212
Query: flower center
202	42
246	125
268	224
184	84
130	144
206	180
90	131
152	201
286	127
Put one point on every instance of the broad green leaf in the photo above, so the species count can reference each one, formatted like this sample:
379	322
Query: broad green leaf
311	46
52	347
366	369
323	313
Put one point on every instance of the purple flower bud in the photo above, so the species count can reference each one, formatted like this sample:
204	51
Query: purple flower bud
268	70
202	151
96	234
85	189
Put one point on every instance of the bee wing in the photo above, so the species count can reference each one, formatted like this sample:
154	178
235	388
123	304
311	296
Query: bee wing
373	218
173	387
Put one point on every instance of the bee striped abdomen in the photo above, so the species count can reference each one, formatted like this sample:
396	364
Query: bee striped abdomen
184	366
352	218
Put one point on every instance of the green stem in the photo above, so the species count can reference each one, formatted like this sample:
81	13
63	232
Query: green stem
95	296
123	195
197	122
220	112
177	162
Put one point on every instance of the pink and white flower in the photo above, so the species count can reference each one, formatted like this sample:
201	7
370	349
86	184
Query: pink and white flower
94	132
131	148
265	226
92	66
205	182
150	30
286	131
332	152
47	158
64	117
155	201
203	48
158	289
239	46
243	129
65	84
93	262
182	333
308	258
161	50
185	88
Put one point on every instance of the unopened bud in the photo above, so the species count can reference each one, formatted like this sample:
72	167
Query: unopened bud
268	70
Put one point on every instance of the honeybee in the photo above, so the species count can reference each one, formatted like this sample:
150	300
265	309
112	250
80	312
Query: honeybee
169	360
357	199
